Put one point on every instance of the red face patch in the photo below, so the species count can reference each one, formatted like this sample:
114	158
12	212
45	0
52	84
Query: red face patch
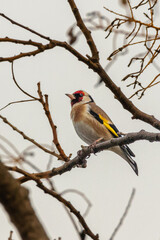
80	92
78	97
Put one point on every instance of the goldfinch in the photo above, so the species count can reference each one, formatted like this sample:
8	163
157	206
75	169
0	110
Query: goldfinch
91	123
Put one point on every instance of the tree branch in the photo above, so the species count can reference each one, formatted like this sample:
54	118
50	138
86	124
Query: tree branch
29	139
96	67
14	79
126	103
16	202
45	104
72	209
24	27
60	199
85	152
124	215
85	31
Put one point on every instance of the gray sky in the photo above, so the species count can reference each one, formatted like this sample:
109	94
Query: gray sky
108	180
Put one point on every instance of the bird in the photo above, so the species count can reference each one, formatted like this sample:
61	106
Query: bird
93	125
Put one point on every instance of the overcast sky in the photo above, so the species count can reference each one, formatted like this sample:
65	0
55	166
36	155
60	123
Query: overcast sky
108	180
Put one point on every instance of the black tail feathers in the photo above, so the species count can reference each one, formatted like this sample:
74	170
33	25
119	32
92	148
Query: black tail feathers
128	153
133	165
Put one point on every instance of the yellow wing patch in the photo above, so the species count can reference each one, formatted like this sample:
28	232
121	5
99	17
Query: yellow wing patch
107	125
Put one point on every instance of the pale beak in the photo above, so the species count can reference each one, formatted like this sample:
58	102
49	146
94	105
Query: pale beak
71	96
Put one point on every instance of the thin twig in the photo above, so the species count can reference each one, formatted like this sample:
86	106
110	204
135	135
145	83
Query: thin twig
20	101
14	79
23	42
133	19
24	27
82	195
28	138
10	235
45	104
10	144
124	215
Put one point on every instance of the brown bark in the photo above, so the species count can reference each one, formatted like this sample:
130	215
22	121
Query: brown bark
16	202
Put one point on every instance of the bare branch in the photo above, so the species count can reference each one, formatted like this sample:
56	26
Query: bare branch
20	101
124	215
10	144
30	139
45	105
70	207
82	195
13	196
85	31
24	27
145	30
86	152
10	235
127	104
23	42
130	19
14	79
60	199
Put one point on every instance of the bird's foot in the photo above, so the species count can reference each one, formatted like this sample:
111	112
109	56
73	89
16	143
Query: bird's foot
83	147
93	145
121	133
97	141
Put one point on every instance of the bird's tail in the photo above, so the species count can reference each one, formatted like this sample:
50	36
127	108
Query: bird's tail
133	164
126	153
127	156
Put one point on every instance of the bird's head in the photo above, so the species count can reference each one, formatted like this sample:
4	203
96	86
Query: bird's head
80	97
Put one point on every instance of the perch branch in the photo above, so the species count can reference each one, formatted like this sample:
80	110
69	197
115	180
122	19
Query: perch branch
85	152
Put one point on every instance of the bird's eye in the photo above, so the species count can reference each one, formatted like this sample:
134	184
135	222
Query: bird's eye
78	95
